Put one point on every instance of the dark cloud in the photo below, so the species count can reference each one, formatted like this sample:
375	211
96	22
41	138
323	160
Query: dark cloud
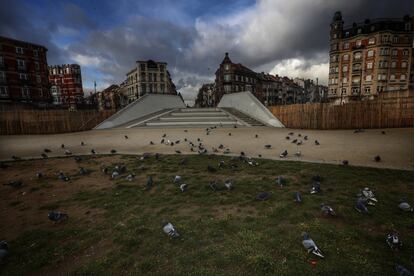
76	17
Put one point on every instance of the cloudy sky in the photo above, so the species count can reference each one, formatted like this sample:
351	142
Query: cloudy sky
106	37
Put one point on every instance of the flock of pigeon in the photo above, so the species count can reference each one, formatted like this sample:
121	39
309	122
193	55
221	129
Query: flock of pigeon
365	198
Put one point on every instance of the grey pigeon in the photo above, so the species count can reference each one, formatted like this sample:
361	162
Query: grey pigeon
287	137
14	184
63	177
16	158
284	154
4	250
298	197
310	245
115	174
57	216
369	196
113	151
405	206
402	271
150	183
177	179
299	142
170	230
298	154
316	187
305	137
294	141
151	143
44	155
393	241
62	146
361	207
268	146
280	181
252	162
228	184
82	143
47	150
327	210
221	164
183	187
317	142
214	186
130	177
39	174
345	162
377	158
126	136
68	152
93	151
263	196
78	158
83	171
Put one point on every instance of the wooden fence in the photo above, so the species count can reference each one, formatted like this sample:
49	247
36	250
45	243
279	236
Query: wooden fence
390	113
49	121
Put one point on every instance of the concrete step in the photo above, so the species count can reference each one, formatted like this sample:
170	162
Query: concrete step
199	109
190	114
196	118
193	123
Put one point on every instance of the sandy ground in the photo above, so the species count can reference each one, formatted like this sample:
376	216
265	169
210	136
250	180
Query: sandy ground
395	147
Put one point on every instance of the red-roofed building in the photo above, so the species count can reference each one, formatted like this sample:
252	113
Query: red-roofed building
66	84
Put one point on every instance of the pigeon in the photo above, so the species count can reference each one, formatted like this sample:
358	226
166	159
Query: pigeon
211	169
242	153
299	142
383	132
93	151
62	146
63	177
151	143
317	178
113	151
78	158
177	179
126	136
150	183
184	161
169	229
402	271
221	164
298	154
251	162
162	141
268	146
183	187
291	133
294	141
260	156
228	184
299	135
316	187
226	151
377	158
393	241
105	170
280	181
405	206
198	139
14	184
57	216
298	197
172	144
305	137
130	177
39	174
283	154
44	155
345	162
263	196
178	152
235	126
83	171
310	245
120	168
164	135
287	138
4	250
359	130
16	158
214	186
369	195
68	152
185	130
256	136
185	139
47	150
327	210
317	142
229	133
115	174
361	207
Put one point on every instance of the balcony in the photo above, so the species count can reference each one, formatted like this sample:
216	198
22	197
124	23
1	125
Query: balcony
21	68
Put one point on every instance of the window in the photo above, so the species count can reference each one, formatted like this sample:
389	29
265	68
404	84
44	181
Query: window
383	64
334	58
23	76
344	80
394	52
25	92
227	88
40	92
404	64
367	89
161	67
359	30
369	65
142	66
3	91
355	90
368	78
21	64
405	52
227	67
357	56
37	66
407	26
38	79
392	77
356	79
402	77
162	77
1	60
370	53
382	77
395	39
345	57
371	41
19	50
346	45
345	68
385	38
162	87
2	76
393	64
343	92
384	51
334	46
35	53
358	43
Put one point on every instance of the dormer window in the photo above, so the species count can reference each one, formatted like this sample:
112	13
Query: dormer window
227	67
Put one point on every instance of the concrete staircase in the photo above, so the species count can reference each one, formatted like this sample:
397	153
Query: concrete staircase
243	117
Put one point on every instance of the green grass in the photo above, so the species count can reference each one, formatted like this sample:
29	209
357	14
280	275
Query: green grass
226	232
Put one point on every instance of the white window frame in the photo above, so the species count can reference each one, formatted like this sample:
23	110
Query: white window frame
368	78
19	50
4	91
370	53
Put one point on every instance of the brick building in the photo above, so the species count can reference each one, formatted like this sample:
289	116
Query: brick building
370	59
23	72
148	77
206	96
109	98
66	84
